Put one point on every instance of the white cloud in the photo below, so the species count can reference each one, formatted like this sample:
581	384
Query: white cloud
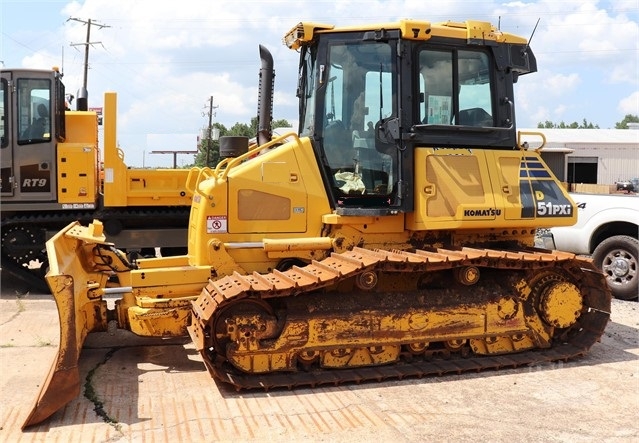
630	104
623	74
540	115
166	60
560	84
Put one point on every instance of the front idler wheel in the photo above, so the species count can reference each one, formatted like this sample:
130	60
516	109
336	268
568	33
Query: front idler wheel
242	323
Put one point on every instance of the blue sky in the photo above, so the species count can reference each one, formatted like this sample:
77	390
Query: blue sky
165	59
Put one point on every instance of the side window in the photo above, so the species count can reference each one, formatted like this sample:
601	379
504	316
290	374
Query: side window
436	84
306	93
455	88
475	104
34	110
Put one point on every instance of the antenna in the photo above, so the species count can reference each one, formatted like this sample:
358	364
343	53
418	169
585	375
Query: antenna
531	36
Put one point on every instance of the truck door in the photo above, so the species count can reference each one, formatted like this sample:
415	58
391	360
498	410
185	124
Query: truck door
28	137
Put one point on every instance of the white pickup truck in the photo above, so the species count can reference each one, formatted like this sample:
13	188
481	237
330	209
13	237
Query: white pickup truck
607	228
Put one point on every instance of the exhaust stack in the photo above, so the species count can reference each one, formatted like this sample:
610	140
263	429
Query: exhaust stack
265	98
82	100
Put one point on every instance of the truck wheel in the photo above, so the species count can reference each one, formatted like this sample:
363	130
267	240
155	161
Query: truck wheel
618	258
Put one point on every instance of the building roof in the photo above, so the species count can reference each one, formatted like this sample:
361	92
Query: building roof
570	138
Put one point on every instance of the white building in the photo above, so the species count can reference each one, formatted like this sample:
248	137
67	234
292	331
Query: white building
598	156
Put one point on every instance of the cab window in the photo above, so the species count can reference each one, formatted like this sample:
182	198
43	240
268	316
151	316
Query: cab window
34	110
358	93
455	88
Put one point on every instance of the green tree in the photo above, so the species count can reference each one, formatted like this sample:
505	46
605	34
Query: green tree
629	118
563	125
238	129
242	129
213	147
281	123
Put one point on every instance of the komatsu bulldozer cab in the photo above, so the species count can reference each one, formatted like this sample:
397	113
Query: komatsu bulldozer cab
368	98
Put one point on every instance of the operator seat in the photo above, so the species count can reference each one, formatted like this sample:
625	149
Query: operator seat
37	128
475	117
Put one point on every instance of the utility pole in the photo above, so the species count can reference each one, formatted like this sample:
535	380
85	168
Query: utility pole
209	139
82	99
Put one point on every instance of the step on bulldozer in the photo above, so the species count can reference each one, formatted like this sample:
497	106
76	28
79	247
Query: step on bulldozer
391	236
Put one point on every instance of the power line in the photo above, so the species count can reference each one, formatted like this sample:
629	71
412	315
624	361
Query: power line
81	102
210	114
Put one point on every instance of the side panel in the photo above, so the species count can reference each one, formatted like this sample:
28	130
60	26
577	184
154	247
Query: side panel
257	200
452	190
77	160
77	178
468	189
125	186
268	194
156	187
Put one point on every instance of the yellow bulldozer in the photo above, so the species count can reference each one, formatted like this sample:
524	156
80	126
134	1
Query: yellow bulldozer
55	171
391	236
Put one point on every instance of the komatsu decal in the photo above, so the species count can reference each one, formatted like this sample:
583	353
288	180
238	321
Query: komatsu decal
539	193
548	209
550	201
489	212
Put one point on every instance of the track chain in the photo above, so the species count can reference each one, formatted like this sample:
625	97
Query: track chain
575	342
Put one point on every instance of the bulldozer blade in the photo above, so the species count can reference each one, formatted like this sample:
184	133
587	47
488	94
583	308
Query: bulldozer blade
78	314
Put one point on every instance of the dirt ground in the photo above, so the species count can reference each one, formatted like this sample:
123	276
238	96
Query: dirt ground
159	391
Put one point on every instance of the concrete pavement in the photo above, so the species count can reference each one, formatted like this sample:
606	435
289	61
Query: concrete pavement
159	391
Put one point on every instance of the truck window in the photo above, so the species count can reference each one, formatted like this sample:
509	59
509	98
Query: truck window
34	110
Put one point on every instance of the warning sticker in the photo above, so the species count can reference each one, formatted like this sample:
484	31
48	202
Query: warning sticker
216	224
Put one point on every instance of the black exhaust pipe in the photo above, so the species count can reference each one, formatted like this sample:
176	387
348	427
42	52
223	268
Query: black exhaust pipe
265	98
82	101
